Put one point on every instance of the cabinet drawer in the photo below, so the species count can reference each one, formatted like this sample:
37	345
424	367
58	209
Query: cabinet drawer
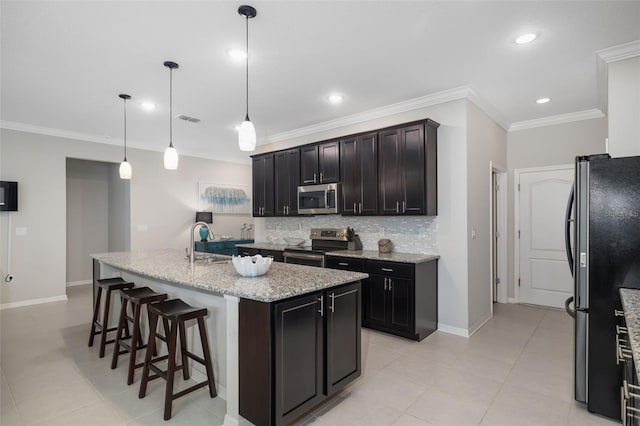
213	247
346	263
243	251
391	269
278	256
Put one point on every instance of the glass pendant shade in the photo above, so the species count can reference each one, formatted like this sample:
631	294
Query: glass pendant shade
170	158
247	136
125	170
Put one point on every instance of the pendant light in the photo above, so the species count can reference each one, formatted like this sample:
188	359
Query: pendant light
170	154
125	167
247	132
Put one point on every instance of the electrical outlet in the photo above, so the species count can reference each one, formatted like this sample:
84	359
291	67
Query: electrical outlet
143	228
381	231
21	231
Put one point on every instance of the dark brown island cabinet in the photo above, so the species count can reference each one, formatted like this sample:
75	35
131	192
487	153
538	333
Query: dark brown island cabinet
263	185
358	168
320	163
397	298
296	353
287	179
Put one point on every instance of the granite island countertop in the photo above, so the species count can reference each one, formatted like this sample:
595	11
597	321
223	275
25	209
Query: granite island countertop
280	282
391	257
631	307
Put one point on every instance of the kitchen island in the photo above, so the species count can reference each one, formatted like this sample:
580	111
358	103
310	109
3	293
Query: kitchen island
259	327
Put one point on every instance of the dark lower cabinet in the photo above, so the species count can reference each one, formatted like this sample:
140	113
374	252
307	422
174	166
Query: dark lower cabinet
276	254
397	298
296	353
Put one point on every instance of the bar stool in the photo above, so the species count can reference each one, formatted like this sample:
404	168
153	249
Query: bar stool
108	284
176	312
137	296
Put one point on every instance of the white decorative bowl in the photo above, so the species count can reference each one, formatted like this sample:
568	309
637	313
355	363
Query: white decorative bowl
294	241
251	266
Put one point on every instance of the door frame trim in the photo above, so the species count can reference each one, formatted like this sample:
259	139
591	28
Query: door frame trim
501	225
516	220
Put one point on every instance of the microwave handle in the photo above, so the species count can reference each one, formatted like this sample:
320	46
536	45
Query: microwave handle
326	199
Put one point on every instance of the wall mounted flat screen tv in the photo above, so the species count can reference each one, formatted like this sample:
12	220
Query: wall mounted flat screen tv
8	196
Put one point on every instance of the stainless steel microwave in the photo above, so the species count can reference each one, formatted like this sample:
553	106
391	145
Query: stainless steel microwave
319	199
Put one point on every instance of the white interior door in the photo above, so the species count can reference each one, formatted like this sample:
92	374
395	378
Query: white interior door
544	276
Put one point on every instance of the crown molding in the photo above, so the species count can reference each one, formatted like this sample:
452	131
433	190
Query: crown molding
557	119
489	109
463	92
48	131
620	52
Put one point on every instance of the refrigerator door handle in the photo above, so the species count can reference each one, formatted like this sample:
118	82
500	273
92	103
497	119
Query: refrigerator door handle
571	312
567	231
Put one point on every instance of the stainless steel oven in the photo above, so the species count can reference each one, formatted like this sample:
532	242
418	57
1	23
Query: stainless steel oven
322	240
304	258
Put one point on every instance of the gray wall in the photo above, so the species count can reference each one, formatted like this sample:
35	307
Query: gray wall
163	205
119	211
624	107
548	146
87	215
487	144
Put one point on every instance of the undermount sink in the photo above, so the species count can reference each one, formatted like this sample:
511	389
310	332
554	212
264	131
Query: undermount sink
211	258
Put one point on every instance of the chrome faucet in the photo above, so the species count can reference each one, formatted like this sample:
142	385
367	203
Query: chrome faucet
192	255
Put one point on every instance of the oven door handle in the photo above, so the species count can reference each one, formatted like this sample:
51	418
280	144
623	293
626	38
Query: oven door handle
303	256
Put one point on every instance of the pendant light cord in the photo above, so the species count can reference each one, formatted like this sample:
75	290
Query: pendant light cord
125	129
171	107
247	67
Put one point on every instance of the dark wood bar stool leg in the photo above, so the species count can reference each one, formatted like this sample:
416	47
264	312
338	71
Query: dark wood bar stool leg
105	323
136	341
121	322
171	369
153	323
207	358
183	351
96	312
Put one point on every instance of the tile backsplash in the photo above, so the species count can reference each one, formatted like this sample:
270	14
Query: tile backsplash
408	234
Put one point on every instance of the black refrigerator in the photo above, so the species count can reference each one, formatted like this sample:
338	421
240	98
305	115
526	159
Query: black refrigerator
604	255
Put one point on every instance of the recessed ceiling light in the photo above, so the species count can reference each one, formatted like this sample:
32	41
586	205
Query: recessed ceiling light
336	98
543	100
237	54
526	38
148	106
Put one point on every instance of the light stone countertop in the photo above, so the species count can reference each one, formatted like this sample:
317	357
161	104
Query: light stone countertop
280	282
391	257
631	306
265	246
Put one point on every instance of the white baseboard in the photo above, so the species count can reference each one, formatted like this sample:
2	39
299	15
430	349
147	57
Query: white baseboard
81	282
453	330
478	325
30	302
512	300
200	376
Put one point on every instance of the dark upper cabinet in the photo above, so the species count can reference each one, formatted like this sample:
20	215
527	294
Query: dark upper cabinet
407	170
287	179
320	163
358	162
263	186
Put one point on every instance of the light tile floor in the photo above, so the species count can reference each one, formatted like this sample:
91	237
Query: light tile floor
516	370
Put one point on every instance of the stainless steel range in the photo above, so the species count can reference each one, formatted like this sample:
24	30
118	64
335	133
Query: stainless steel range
322	241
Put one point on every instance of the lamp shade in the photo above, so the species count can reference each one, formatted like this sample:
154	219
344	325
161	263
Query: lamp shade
171	158
125	170
247	136
206	217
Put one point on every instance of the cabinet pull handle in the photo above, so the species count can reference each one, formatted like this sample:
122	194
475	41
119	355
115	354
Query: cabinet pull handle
354	208
333	302
343	264
397	206
310	180
390	286
618	313
386	269
321	310
385	283
314	178
403	209
360	208
321	176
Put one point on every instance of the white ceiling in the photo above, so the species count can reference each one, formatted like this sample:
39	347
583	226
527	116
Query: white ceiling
64	63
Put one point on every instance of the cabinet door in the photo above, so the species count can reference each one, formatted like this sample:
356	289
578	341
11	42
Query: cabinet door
293	170
368	174
343	336
281	184
413	170
298	356
350	172
389	172
401	295
263	185
329	162
242	251
309	165
374	296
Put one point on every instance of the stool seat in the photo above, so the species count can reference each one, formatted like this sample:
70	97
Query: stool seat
177	309
109	285
137	297
176	312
